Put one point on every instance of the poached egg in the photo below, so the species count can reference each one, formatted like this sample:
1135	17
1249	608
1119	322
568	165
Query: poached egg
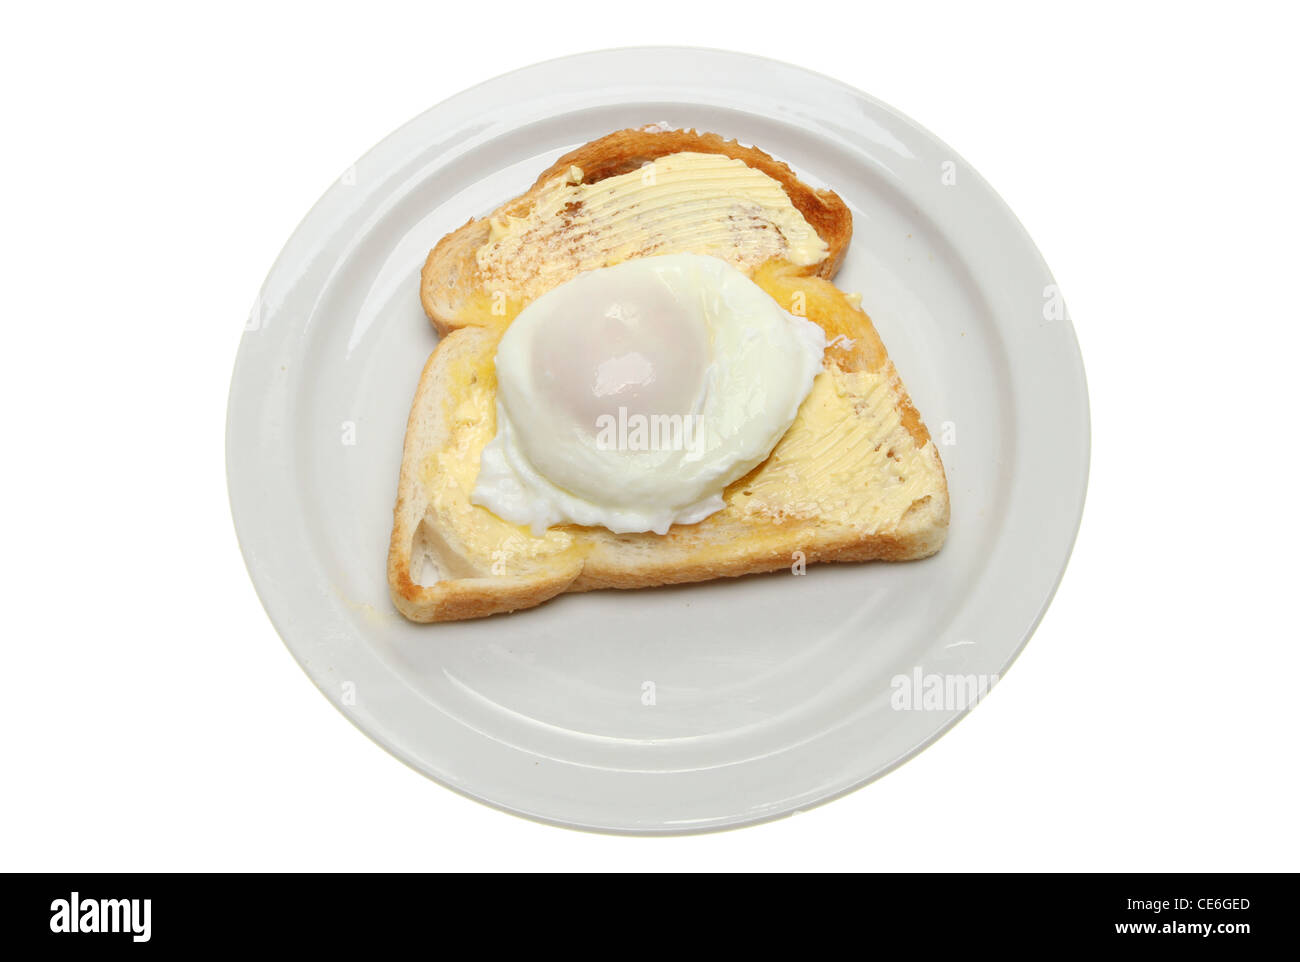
630	396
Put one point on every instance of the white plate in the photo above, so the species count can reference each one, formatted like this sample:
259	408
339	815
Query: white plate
771	693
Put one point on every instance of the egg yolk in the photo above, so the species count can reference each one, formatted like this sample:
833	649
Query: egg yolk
621	350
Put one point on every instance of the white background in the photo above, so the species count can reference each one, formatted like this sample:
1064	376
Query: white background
154	162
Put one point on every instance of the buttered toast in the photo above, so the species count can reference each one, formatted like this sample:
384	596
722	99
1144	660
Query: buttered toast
555	230
854	477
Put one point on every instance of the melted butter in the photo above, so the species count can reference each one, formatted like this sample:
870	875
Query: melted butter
448	476
847	458
684	202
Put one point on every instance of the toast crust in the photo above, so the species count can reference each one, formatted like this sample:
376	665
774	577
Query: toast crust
451	277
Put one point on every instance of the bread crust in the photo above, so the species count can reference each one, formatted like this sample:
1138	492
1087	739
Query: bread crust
451	275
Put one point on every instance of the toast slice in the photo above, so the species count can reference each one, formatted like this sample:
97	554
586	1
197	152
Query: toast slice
550	224
855	478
